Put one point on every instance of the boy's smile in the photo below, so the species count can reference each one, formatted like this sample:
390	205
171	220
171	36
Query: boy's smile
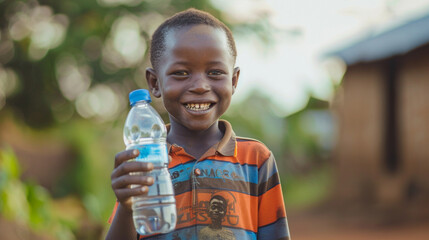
195	77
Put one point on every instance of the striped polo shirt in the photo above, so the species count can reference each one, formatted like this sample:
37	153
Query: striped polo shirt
232	192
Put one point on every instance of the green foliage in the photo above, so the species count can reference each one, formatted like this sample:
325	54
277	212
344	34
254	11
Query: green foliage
91	173
305	190
28	204
68	58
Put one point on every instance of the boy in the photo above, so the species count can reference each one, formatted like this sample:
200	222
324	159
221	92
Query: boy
193	56
216	211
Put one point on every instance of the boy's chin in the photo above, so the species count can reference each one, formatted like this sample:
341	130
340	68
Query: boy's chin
198	126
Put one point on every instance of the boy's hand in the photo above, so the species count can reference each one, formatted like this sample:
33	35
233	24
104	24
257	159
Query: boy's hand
122	179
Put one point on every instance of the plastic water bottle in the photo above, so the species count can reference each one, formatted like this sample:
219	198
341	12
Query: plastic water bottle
144	130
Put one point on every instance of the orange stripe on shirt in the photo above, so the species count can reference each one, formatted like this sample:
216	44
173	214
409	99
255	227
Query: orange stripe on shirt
179	159
273	197
112	216
252	152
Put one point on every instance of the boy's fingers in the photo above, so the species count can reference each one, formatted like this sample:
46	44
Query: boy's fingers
126	180
128	167
125	193
125	156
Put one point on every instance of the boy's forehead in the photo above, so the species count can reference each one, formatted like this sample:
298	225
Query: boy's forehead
188	35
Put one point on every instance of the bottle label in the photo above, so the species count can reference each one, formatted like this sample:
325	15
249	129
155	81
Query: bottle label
155	153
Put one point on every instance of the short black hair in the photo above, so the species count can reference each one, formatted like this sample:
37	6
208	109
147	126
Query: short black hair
186	18
220	198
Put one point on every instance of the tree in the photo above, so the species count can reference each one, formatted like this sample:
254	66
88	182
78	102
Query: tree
65	59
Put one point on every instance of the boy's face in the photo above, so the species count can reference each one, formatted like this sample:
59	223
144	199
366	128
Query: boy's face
196	76
217	210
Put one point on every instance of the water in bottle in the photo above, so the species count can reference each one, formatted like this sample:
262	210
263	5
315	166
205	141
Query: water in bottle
144	130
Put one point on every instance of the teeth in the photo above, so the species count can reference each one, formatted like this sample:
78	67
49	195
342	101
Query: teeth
198	106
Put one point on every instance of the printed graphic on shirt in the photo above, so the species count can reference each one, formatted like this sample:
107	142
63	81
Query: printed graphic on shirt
215	175
216	211
204	201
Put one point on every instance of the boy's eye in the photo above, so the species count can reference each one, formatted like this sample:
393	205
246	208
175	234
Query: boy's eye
215	72
181	73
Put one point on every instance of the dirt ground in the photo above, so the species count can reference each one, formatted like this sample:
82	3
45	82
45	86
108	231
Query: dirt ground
303	226
316	225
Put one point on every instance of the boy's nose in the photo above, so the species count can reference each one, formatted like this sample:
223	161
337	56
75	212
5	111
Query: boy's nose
200	85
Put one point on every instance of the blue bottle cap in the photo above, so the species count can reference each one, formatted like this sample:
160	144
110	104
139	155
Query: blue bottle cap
139	95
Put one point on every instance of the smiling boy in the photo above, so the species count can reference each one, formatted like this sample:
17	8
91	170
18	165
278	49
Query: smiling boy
193	57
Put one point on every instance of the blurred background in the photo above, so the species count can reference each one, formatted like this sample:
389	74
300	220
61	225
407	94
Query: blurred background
338	90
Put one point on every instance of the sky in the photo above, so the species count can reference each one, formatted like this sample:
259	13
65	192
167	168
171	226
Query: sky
291	69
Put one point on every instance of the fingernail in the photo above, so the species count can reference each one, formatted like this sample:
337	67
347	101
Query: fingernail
135	152
149	180
144	189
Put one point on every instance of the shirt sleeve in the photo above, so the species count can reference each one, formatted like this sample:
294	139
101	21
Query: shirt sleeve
112	216
272	220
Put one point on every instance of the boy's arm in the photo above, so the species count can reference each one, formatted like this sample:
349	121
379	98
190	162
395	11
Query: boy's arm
122	226
272	221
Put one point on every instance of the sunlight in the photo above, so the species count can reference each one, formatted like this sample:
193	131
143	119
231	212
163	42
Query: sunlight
101	102
125	46
45	30
72	79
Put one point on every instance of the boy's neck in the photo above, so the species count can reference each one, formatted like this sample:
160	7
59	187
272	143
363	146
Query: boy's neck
195	143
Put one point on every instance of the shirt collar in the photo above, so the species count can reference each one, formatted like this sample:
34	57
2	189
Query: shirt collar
225	147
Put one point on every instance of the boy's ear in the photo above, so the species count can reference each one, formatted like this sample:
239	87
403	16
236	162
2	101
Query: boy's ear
235	76
153	82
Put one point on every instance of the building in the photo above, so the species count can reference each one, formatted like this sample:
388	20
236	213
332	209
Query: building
382	151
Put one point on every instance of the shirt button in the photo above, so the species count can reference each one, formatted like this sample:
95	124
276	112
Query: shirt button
197	172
